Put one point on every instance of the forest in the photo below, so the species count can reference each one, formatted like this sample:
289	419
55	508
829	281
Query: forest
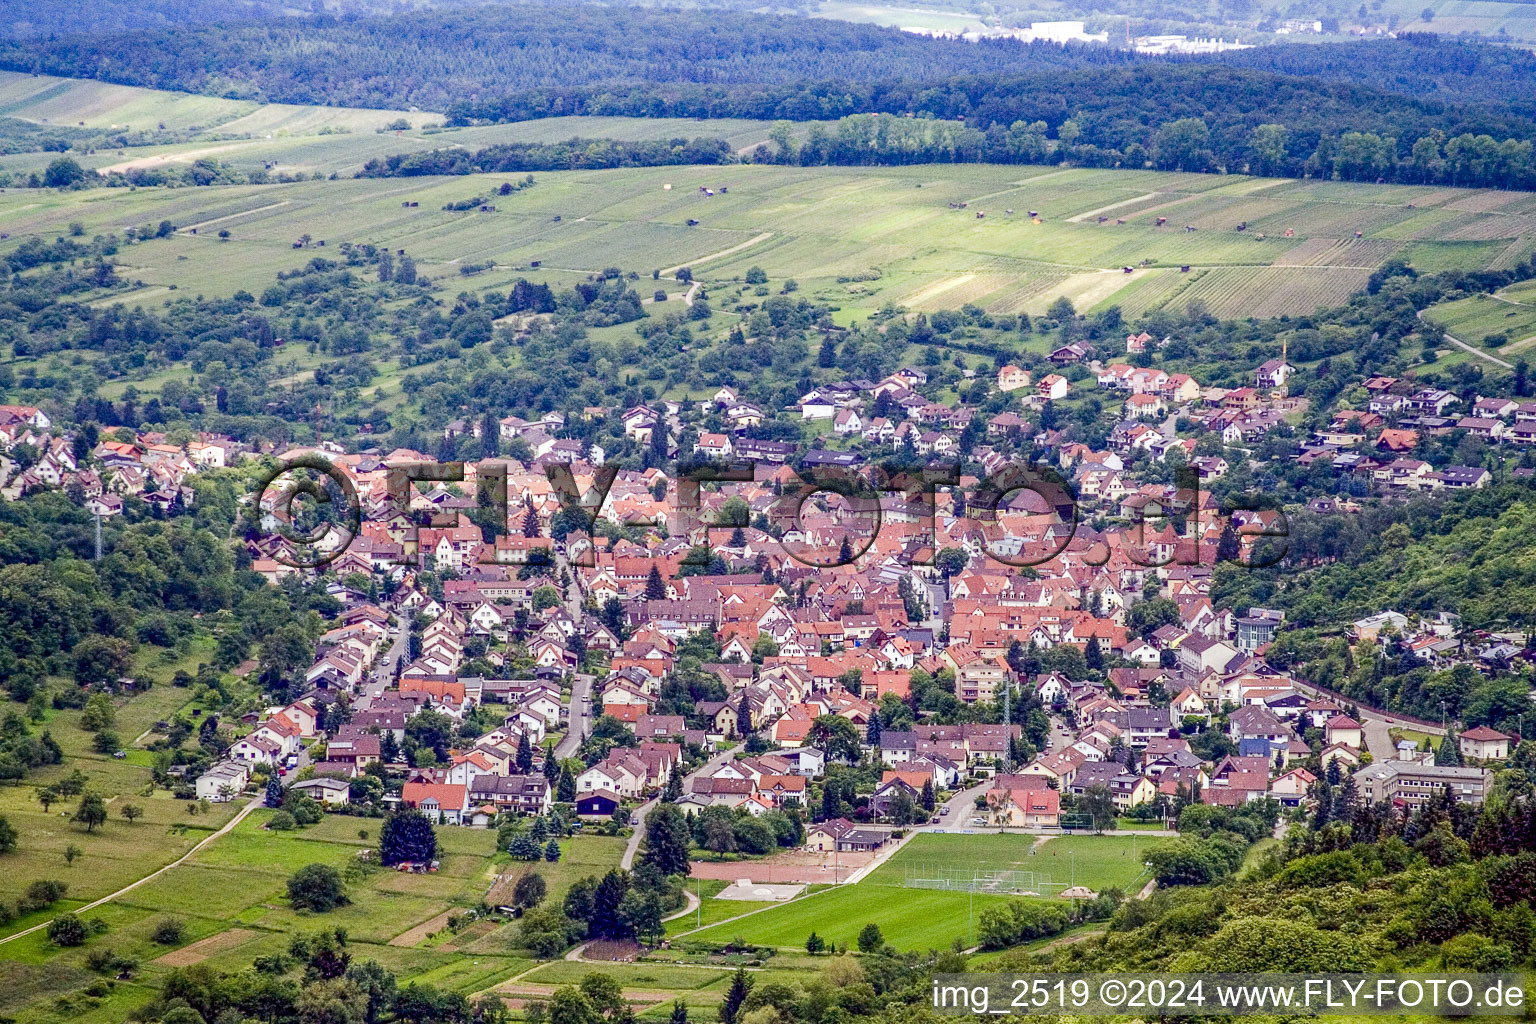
1186	144
433	59
1421	65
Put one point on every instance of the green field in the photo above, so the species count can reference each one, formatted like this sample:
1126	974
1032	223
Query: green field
1475	318
916	918
78	103
281	137
817	225
233	891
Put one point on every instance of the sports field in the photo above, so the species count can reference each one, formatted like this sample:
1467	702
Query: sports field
900	231
917	918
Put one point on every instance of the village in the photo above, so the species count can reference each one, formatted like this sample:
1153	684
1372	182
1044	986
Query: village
722	658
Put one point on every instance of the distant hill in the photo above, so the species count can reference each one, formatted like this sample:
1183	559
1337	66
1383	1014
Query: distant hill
1425	66
435	58
48	19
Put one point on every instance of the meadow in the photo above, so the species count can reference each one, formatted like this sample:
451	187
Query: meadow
899	231
1478	317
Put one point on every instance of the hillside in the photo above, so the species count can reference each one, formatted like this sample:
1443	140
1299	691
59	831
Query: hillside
439	57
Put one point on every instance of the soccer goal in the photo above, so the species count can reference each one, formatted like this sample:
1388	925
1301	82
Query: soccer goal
990	881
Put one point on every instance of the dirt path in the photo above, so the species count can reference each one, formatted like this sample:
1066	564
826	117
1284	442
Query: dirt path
421	931
233	216
689	907
1463	345
228	827
1079	218
186	157
202	949
733	250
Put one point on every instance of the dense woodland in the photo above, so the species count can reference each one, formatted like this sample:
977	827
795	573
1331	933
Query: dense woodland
434	59
1186	144
1417	64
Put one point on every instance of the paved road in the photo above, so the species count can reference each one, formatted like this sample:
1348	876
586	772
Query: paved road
247	809
1377	725
580	724
633	846
1480	353
582	683
383	673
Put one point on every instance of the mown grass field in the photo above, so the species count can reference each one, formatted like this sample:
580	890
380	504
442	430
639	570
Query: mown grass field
917	918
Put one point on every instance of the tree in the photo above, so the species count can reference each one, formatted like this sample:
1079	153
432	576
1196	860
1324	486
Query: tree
100	713
655	586
7	835
103	660
131	812
927	797
1099	805
743	715
274	796
168	932
71	854
1449	752
641	912
552	851
836	736
317	888
66	173
46	796
91	812
666	840
66	930
407	837
605	921
524	755
529	891
735	996
870	939
719	837
951	561
813	944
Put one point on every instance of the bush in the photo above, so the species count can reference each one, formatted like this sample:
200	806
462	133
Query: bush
282	821
316	887
168	932
66	930
42	893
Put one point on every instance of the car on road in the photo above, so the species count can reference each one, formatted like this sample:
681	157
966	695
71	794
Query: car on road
978	821
943	811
